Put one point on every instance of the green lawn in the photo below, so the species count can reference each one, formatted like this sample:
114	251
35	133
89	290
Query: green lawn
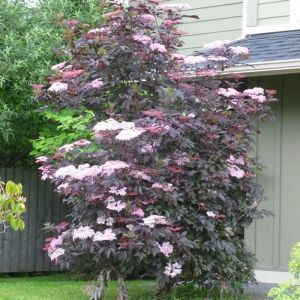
61	287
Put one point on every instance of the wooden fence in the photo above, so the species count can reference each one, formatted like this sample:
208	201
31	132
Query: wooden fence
23	251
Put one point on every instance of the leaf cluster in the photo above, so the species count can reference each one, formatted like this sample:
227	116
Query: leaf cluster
12	206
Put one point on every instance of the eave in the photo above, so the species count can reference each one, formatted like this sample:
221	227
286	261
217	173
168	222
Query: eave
266	68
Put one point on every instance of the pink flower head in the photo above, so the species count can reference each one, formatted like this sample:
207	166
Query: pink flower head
236	172
157	129
138	212
158	47
172	270
129	134
54	243
167	187
71	22
140	174
42	159
111	125
114	190
237	161
71	74
107	235
166	248
111	166
59	66
193	60
82	143
58	87
83	233
112	204
255	91
153	220
56	254
170	23
147	18
97	84
217	58
228	93
143	39
240	51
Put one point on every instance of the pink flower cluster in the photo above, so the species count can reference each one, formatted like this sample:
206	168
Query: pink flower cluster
102	220
129	134
240	51
166	248
158	47
83	233
58	87
57	253
107	235
236	161
193	60
233	169
59	66
138	212
166	187
70	147
236	172
228	93
256	94
143	39
147	18
172	270
153	220
140	174
114	190
112	124
116	205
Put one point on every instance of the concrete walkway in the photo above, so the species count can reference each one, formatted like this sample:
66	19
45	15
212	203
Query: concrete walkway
260	290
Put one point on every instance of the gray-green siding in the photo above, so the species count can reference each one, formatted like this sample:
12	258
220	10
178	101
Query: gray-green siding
278	148
219	20
268	12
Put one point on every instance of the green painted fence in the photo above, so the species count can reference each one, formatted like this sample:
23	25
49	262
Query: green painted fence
23	251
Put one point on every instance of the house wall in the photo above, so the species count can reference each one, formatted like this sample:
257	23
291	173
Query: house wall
23	251
219	20
267	12
278	148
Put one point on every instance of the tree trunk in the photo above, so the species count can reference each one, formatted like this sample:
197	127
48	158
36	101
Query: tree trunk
123	290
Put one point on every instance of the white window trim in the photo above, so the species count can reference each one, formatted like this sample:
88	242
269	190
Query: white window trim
295	12
294	23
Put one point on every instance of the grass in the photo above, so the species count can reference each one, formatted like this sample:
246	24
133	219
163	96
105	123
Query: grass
62	287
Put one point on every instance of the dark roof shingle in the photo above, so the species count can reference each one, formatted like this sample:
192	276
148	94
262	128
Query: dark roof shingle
274	46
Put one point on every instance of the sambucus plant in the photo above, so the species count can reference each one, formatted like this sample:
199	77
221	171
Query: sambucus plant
172	185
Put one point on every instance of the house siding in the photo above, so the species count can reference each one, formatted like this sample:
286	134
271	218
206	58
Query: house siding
219	20
268	12
278	148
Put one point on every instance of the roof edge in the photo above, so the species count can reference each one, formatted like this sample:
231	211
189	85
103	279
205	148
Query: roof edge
266	68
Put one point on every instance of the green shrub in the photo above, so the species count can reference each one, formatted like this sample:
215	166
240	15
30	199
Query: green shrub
28	36
290	290
61	127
